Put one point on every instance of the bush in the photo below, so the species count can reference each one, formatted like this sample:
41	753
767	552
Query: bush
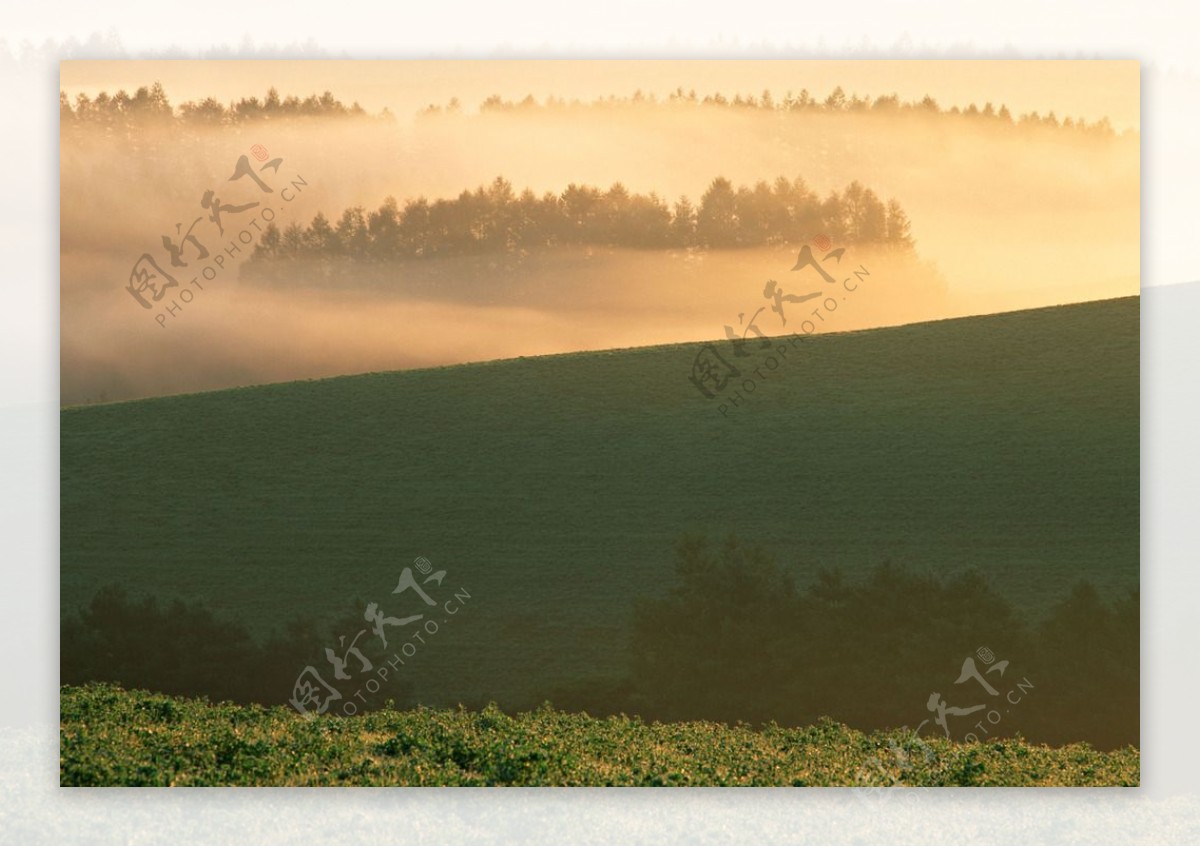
736	641
185	649
113	737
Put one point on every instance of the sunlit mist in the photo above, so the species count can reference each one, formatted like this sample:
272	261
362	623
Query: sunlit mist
1006	210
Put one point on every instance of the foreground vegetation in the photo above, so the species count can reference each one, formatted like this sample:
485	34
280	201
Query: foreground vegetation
113	737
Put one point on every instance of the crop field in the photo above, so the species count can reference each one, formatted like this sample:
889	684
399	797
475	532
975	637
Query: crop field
112	737
554	489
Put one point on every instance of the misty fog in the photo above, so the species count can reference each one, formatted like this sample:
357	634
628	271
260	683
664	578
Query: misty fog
1003	218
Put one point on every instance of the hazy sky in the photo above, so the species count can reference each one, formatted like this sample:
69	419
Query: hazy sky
1085	89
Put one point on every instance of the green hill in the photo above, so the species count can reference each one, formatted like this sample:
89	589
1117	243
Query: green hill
553	489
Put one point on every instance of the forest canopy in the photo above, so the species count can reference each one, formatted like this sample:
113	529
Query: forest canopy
149	106
836	103
495	218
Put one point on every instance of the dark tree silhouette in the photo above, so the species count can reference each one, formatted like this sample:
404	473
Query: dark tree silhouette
185	649
494	218
120	115
735	640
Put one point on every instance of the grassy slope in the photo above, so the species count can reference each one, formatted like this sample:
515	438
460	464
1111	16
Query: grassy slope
553	489
110	737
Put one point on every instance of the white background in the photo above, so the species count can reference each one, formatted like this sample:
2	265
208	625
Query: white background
37	35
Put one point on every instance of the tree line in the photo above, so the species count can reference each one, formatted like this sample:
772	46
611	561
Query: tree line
495	218
184	648
737	640
734	640
836	103
149	107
